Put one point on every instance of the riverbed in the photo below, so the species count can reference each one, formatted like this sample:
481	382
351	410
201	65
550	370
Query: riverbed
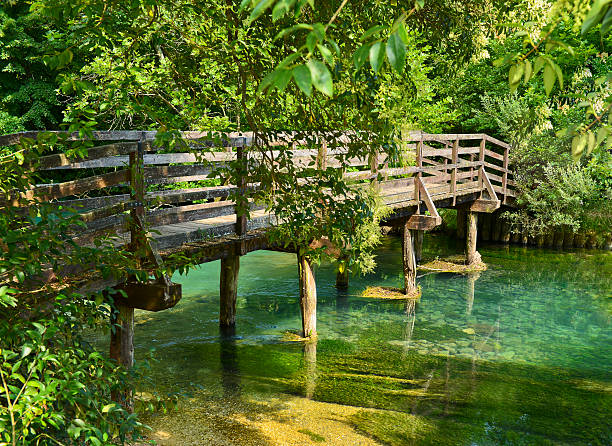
519	354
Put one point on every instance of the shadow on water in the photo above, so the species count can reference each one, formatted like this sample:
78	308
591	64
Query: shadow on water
516	355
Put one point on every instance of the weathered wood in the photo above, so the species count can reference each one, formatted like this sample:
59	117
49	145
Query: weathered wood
308	296
241	217
418	245
61	161
423	222
54	191
505	177
176	174
409	260
122	347
471	254
150	296
453	172
461	223
138	236
484	205
228	287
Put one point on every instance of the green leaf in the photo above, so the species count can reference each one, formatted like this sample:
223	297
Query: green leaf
559	74
259	9
282	79
401	31
281	8
107	408
396	52
376	56
301	75
514	75
591	143
360	56
539	64
578	144
292	29
321	77
370	32
528	70
326	53
549	78
606	22
597	12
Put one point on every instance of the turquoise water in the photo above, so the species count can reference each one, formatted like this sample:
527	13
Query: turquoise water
519	354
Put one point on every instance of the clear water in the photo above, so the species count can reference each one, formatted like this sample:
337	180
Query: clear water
520	354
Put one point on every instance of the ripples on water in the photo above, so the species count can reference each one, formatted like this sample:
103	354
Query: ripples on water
519	354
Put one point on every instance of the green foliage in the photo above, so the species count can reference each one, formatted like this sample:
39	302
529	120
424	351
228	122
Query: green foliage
56	389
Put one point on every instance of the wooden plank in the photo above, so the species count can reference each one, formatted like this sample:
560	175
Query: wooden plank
497	142
494	167
176	174
423	222
427	199
455	161
77	187
505	177
488	185
483	205
448	153
493	154
61	161
189	213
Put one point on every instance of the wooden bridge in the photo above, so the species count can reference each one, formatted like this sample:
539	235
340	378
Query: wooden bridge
467	172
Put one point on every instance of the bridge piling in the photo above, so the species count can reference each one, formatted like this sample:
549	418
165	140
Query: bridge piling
418	245
342	276
308	296
472	256
122	347
228	290
409	260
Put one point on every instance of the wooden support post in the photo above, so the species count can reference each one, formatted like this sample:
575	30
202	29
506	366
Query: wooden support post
471	254
481	158
342	275
308	296
418	245
461	222
122	347
228	286
409	261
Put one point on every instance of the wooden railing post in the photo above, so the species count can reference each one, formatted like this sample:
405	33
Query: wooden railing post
322	156
137	196
505	176
481	157
374	167
417	176
455	160
241	157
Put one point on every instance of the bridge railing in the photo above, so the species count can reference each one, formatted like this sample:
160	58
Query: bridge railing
122	183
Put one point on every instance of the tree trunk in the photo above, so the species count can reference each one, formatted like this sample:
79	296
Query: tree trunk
308	296
228	287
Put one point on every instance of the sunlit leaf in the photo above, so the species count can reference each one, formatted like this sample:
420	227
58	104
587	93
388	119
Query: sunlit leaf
396	52
301	75
321	77
377	56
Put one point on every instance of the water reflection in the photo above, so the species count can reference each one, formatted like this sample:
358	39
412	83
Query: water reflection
228	358
310	367
471	281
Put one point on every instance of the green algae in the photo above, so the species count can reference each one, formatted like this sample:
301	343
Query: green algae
519	356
